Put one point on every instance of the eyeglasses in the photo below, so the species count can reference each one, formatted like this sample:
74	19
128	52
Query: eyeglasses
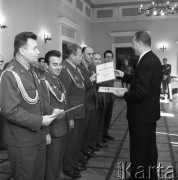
1	61
108	57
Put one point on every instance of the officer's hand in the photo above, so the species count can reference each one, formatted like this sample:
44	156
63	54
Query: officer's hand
119	73
48	139
58	111
93	77
119	93
48	119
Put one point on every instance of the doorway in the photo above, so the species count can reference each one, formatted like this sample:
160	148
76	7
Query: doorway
125	53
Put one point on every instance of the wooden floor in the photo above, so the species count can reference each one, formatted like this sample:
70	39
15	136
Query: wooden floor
105	165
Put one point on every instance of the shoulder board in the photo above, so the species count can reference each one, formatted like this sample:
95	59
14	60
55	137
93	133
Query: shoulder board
11	68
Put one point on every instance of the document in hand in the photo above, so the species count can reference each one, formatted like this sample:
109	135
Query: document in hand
105	72
62	111
112	89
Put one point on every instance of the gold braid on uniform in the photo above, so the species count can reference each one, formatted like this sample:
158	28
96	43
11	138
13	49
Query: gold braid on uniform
77	84
26	97
51	90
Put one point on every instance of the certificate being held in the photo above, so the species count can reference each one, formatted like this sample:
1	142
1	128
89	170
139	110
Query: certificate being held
105	72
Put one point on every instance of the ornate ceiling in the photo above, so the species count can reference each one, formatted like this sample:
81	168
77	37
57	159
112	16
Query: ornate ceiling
114	1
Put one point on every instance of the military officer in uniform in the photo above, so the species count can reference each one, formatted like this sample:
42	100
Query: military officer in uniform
90	127
72	79
166	79
54	92
23	107
41	66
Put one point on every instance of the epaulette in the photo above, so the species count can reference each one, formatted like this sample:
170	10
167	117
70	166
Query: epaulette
11	68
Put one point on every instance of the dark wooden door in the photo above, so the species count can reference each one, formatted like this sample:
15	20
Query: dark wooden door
125	53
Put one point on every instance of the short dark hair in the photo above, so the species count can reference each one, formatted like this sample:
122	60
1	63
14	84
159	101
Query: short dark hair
39	59
164	59
144	37
21	39
72	50
108	51
51	53
83	49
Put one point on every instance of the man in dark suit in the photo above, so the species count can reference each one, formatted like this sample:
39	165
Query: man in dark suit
22	105
72	79
108	57
143	108
55	94
166	79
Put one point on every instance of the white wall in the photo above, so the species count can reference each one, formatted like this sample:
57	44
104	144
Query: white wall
162	30
38	16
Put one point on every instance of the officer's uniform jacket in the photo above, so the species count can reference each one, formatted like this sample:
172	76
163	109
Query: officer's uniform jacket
73	82
55	94
166	70
91	94
23	111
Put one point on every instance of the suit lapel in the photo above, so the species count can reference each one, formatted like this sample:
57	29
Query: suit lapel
142	60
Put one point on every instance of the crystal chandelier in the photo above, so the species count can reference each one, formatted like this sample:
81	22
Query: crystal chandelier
158	8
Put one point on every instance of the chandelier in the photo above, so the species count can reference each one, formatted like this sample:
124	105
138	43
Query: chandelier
158	8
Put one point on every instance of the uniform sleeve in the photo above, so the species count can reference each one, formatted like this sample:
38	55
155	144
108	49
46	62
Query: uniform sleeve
66	81
10	103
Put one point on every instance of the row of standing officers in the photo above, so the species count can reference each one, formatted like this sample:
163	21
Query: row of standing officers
34	108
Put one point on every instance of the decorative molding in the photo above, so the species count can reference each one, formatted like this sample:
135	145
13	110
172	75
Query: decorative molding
123	3
118	16
117	12
124	33
67	22
89	2
63	21
133	18
77	10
